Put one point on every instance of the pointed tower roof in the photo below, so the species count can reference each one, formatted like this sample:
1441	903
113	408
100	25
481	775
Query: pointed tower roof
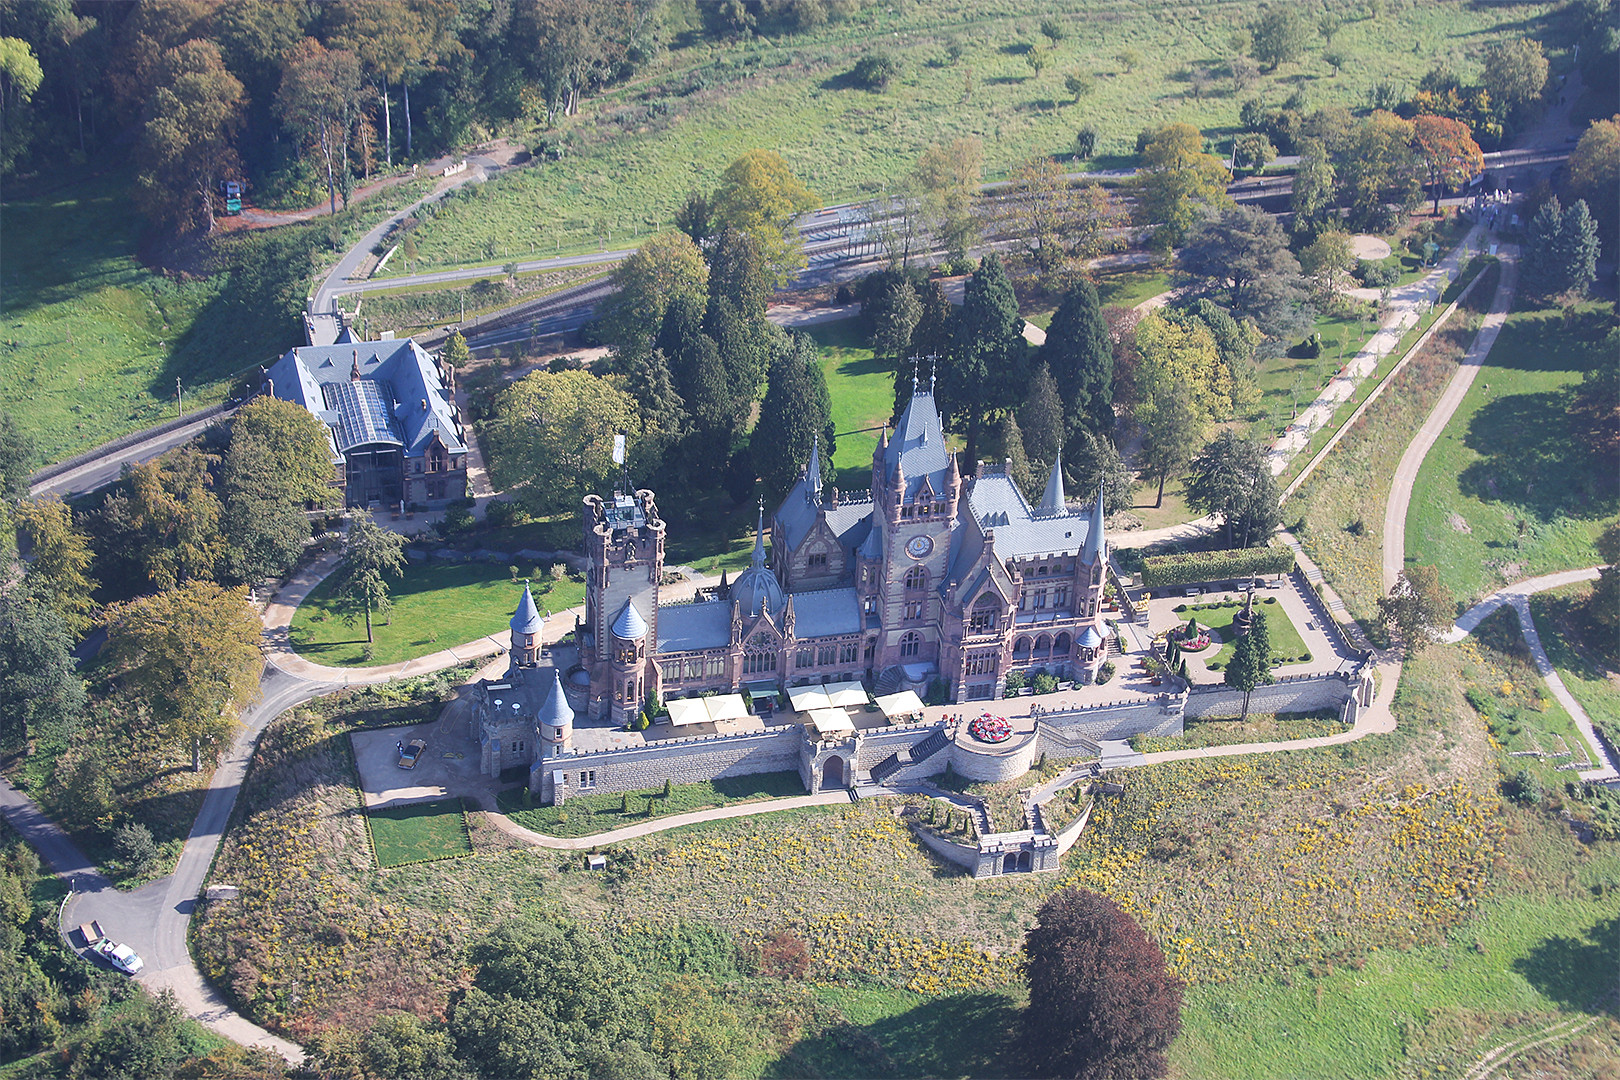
1095	542
629	625
554	710
756	588
1052	501
526	620
917	449
812	476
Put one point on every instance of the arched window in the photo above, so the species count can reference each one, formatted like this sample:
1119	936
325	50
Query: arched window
1021	649
1043	647
983	619
916	578
1060	647
759	654
911	644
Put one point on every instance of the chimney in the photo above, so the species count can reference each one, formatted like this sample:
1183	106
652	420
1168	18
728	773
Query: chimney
354	371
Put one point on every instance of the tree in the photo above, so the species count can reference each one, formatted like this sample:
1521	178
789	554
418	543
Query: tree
1515	74
1448	151
1081	359
1170	420
1250	665
1314	200
759	194
1603	605
167	519
369	552
1378	167
319	100
1060	227
1594	175
455	353
191	656
1252	150
40	686
551	437
16	457
20	77
1538	264
1232	478
60	562
187	144
661	410
1040	418
1011	441
1176	181
1092	461
1102	1001
1242	254
666	267
1418	608
947	178
1577	249
693	216
1280	35
738	272
796	413
986	352
700	376
874	71
1079	84
292	444
894	318
1327	262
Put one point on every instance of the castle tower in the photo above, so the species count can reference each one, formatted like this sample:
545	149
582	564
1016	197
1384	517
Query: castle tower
526	628
628	665
624	545
556	721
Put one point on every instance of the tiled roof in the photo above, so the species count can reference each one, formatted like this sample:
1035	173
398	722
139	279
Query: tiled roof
996	503
826	612
682	627
918	446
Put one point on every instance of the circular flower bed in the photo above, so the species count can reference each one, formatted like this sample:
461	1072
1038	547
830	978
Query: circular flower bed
990	729
1193	644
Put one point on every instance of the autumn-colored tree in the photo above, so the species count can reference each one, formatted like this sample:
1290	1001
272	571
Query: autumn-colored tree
759	194
1177	181
1060	226
1378	167
666	267
319	100
191	657
947	177
1594	175
1448	150
1102	1001
60	561
169	517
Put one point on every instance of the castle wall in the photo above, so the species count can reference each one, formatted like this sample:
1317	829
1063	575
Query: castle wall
687	761
1298	693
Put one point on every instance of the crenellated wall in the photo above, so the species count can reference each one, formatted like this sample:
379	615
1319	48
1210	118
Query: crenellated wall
685	761
1291	694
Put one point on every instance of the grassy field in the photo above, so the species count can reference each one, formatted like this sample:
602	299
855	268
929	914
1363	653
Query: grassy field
1574	646
634	153
862	391
585	815
1278	727
418	832
1342	514
1286	644
1511	490
436	606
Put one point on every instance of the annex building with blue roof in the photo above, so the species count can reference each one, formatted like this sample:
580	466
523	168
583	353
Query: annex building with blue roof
390	416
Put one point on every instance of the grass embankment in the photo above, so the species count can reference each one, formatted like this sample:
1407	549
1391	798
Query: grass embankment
1585	654
94	340
1286	645
418	832
634	153
1270	727
436	606
586	815
1341	505
412	309
1515	487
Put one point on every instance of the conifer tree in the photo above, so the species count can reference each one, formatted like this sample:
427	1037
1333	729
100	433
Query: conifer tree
1538	259
1018	466
1081	359
1577	249
1250	665
369	552
796	409
1040	418
987	350
1092	460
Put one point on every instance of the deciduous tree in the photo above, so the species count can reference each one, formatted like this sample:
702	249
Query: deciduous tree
292	443
1594	175
319	100
455	352
191	656
16	457
666	267
39	682
1232	479
1315	194
1060	227
187	143
1327	262
370	552
1378	167
169	518
1515	74
1177	180
1280	35
759	194
59	562
551	437
1102	1001
1448	151
1418	608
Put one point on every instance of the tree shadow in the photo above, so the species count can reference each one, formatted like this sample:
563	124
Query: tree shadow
1575	971
961	1035
1530	458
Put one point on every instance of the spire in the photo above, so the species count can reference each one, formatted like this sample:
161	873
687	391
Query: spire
1096	544
526	620
554	710
1052	501
812	478
759	539
914	361
354	371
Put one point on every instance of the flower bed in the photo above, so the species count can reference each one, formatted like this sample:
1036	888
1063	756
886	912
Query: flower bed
1192	644
990	729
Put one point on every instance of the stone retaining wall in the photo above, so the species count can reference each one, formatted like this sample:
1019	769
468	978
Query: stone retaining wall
681	762
1301	693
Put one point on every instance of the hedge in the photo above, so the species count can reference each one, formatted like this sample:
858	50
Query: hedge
1161	571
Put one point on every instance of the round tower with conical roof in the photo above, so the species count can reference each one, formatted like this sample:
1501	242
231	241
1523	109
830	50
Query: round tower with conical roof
628	666
527	626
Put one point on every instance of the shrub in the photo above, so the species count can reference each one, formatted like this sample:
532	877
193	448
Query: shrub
1105	672
1523	787
1376	275
135	848
1179	608
784	955
939	692
1016	681
1162	571
873	71
1305	657
501	514
1085	143
1043	683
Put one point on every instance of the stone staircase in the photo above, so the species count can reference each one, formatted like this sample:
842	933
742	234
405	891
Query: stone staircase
936	741
888	682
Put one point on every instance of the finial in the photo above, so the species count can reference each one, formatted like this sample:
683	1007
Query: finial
914	362
933	371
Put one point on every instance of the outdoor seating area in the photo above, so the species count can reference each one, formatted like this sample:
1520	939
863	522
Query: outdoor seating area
901	708
725	713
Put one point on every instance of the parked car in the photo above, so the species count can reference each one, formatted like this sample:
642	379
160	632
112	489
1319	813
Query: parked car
119	956
411	753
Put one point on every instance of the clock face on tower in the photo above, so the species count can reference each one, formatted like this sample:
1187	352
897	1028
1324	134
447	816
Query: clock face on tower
918	547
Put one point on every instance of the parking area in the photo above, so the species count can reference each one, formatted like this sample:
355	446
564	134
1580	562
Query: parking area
448	766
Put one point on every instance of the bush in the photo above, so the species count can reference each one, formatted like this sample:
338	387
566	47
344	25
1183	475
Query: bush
501	514
1105	672
1376	275
939	693
1016	681
1043	683
874	71
135	848
1162	571
1523	787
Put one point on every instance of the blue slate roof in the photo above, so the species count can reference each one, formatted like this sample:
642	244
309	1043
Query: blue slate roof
826	612
682	627
397	400
918	446
995	503
526	620
555	710
629	625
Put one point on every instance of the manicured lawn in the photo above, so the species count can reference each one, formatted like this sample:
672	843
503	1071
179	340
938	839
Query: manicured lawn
419	832
436	606
1286	644
634	153
585	815
1257	728
862	390
1511	489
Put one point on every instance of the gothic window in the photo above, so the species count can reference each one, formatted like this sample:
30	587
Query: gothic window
916	579
869	605
914	609
694	668
715	665
437	459
672	670
981	664
1060	647
1043	647
847	652
827	654
805	658
1060	596
1021	649
871	649
910	644
983	620
759	655
817	561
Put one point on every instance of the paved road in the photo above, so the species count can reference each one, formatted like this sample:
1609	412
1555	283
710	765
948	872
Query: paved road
109	467
1400	492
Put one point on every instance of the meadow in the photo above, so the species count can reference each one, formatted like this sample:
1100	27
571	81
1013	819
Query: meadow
1268	727
1512	489
436	606
1576	648
1286	644
632	154
585	815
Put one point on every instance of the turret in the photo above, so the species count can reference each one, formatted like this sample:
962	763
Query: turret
627	669
556	721
526	630
1052	502
1096	544
812	477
